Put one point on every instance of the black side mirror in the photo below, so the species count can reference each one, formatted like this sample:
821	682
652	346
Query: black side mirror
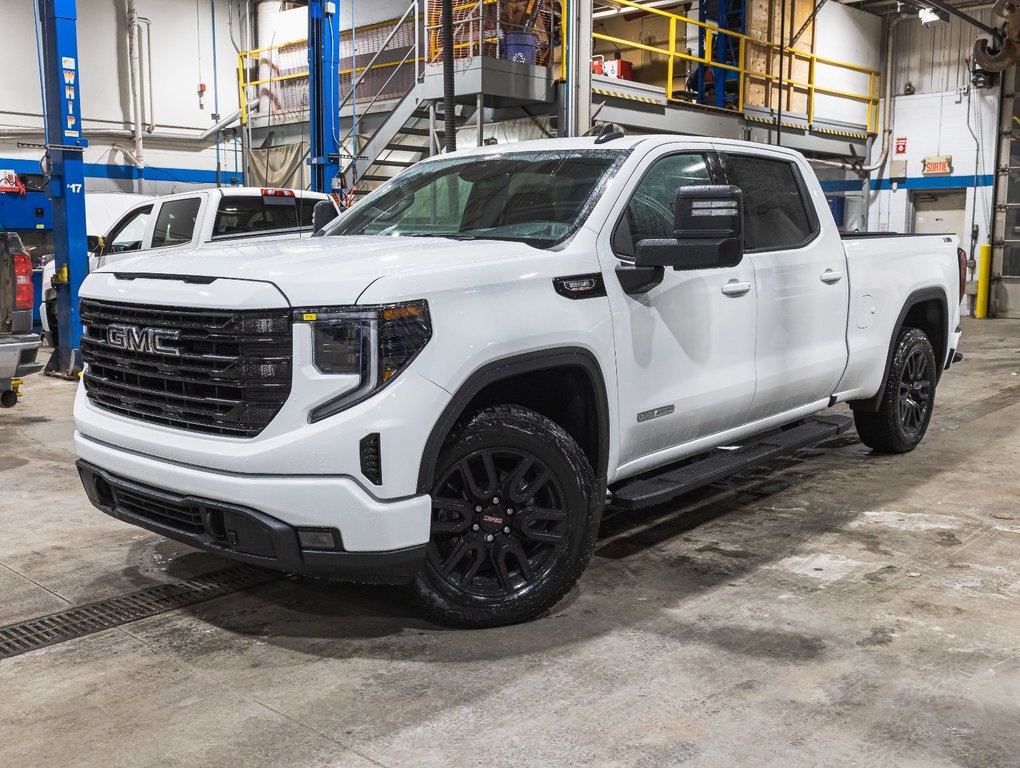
708	231
94	244
323	213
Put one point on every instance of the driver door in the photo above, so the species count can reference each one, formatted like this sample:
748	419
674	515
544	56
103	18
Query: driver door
127	236
685	349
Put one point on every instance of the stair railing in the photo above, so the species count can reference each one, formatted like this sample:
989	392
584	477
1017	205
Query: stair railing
350	139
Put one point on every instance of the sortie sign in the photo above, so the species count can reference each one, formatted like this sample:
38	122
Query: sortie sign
937	165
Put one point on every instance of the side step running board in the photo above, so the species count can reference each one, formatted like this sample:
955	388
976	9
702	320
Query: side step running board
721	464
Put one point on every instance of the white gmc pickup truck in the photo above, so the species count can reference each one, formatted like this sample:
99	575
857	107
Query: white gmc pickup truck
448	386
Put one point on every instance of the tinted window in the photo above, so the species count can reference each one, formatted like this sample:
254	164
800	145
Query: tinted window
238	216
650	212
127	234
305	206
774	213
175	224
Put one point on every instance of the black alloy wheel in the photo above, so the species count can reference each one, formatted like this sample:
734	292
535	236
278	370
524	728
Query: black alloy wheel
515	511
908	397
916	391
498	522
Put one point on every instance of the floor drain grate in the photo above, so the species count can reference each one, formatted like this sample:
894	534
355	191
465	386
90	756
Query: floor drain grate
84	620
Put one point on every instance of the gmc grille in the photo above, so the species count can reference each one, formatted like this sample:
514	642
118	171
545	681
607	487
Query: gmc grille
231	377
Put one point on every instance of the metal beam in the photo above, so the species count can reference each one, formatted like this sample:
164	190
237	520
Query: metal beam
324	95
953	11
66	177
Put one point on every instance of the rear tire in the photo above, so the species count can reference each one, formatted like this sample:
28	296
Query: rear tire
908	398
515	513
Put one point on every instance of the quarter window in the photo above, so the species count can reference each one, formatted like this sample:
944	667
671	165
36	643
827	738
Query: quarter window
775	216
175	224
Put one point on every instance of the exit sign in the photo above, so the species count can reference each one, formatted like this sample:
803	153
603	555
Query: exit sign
937	165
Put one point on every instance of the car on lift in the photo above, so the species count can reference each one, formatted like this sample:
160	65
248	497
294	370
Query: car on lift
448	385
19	347
197	219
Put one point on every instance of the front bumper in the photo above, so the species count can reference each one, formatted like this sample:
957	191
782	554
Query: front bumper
18	356
255	518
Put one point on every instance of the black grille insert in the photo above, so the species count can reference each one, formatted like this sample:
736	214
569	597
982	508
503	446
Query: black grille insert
232	376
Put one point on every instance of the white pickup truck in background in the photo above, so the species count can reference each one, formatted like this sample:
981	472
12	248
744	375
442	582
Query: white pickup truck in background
444	387
191	220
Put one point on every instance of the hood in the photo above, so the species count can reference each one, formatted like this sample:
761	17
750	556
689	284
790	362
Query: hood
322	270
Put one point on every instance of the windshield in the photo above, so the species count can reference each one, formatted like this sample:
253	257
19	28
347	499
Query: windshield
538	198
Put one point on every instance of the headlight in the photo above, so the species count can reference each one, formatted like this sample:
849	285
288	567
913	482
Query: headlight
373	343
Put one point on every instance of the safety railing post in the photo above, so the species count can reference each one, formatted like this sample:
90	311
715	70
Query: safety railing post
563	40
417	38
741	82
672	58
811	90
242	89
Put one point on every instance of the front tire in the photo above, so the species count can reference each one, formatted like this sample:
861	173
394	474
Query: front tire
907	399
515	513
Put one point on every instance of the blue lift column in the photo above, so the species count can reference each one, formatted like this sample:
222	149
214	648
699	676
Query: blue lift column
64	147
324	94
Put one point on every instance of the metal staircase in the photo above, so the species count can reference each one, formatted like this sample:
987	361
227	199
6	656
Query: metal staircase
409	132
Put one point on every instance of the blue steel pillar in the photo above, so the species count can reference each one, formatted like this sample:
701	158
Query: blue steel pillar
324	94
64	146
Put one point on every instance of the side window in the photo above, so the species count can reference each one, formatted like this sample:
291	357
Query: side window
175	224
650	212
775	216
128	233
305	206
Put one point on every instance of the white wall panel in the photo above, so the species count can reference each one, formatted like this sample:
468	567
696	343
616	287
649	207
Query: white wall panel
182	41
855	37
933	57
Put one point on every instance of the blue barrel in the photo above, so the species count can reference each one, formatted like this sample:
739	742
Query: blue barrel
520	47
838	207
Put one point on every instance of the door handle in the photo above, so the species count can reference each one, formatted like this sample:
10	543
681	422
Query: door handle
831	276
736	288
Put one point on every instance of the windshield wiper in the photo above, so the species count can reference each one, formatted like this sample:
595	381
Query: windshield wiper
449	236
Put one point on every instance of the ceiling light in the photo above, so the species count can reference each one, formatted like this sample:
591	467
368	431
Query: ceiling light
931	15
631	9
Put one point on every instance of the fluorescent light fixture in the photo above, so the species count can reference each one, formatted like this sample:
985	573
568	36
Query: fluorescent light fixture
931	15
631	9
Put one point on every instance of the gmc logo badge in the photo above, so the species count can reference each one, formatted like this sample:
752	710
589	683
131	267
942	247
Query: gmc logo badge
136	339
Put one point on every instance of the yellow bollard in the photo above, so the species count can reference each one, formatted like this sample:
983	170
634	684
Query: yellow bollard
983	279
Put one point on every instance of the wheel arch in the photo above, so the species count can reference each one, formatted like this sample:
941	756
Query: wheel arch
528	380
928	310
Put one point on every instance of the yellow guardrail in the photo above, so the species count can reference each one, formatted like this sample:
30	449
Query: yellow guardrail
810	86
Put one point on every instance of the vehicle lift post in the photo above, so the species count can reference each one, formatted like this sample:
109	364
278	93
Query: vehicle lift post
66	175
324	95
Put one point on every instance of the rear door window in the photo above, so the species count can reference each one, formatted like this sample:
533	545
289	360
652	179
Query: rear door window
175	223
240	216
775	216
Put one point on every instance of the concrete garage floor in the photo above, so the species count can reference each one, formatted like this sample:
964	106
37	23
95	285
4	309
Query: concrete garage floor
837	609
